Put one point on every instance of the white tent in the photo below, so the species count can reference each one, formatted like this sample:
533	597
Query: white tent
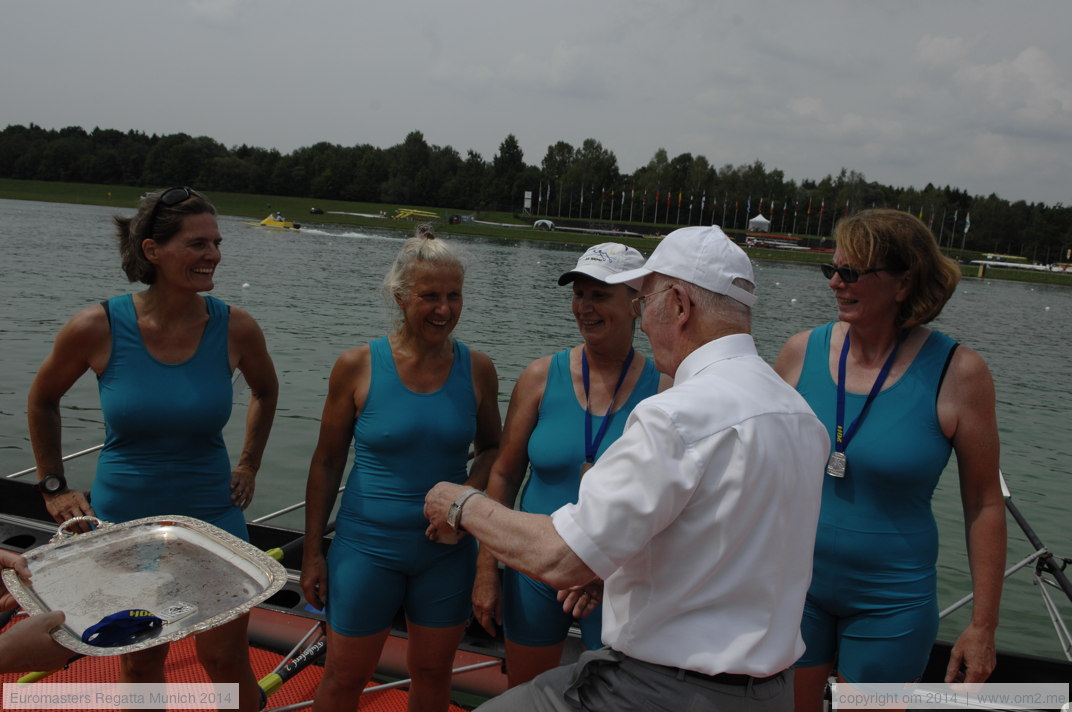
759	224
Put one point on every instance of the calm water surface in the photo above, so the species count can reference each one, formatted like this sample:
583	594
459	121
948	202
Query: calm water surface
317	293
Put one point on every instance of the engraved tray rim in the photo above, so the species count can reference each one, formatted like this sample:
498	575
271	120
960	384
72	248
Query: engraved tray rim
25	595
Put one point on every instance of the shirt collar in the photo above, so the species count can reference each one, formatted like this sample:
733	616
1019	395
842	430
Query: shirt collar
732	346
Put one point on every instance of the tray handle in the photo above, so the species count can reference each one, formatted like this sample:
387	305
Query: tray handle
61	530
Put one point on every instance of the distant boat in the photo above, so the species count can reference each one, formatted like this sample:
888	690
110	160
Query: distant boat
777	242
414	214
276	221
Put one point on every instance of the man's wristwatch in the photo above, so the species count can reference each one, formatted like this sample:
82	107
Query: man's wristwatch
52	484
454	513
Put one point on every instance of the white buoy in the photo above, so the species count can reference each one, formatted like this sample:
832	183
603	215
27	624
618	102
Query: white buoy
245	285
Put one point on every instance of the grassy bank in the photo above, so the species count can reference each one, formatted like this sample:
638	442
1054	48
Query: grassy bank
255	207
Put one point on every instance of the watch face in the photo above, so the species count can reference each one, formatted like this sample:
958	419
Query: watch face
53	483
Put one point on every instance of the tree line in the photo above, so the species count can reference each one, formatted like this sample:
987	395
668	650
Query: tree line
582	183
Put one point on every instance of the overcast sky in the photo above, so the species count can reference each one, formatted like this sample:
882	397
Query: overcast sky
975	94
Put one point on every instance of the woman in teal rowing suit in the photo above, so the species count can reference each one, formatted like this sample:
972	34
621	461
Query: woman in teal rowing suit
897	398
164	359
412	403
566	410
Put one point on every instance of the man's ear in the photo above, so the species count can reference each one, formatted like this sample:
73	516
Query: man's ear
680	304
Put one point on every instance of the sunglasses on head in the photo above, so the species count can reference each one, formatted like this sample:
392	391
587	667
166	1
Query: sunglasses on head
170	197
850	274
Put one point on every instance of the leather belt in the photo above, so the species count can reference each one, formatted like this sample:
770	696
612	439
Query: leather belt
722	678
730	678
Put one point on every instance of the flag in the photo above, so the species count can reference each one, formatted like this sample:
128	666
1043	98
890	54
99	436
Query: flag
748	207
967	223
809	207
679	199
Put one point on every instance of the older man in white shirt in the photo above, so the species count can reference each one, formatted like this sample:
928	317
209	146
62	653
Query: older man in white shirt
701	518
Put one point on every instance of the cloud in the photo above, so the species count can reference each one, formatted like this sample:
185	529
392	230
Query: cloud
217	12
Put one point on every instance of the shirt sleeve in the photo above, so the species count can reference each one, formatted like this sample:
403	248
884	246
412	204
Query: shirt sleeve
637	488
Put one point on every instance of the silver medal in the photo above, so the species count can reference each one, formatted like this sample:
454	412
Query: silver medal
835	466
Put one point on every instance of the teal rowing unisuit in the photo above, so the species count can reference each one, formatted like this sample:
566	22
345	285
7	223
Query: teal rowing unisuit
404	443
874	577
163	450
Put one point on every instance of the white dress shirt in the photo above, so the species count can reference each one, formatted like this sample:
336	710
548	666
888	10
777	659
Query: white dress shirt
701	518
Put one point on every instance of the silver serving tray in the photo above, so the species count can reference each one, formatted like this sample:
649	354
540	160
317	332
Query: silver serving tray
176	567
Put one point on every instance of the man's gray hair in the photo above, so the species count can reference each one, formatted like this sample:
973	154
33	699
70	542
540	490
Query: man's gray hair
719	306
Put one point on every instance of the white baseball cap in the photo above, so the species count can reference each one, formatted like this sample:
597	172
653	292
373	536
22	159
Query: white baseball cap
703	256
606	259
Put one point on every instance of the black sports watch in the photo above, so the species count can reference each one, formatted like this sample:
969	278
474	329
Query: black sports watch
52	484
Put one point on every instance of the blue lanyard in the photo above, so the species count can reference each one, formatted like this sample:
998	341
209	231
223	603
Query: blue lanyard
591	446
842	436
122	628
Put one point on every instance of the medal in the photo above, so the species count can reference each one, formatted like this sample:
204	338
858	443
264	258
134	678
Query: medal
835	466
838	463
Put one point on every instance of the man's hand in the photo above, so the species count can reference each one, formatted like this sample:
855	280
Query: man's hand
28	647
436	504
11	560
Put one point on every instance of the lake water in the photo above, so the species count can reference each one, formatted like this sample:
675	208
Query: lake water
317	292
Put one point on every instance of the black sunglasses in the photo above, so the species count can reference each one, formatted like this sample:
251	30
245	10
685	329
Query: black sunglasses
170	197
850	274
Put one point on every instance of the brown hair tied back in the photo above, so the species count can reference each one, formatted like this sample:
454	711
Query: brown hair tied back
165	221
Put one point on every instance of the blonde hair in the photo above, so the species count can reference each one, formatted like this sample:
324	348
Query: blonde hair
882	237
422	249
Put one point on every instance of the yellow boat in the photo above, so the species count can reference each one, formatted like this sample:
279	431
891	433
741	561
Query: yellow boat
276	221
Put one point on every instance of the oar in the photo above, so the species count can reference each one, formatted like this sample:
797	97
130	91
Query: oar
279	552
392	685
65	458
1046	559
287	669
